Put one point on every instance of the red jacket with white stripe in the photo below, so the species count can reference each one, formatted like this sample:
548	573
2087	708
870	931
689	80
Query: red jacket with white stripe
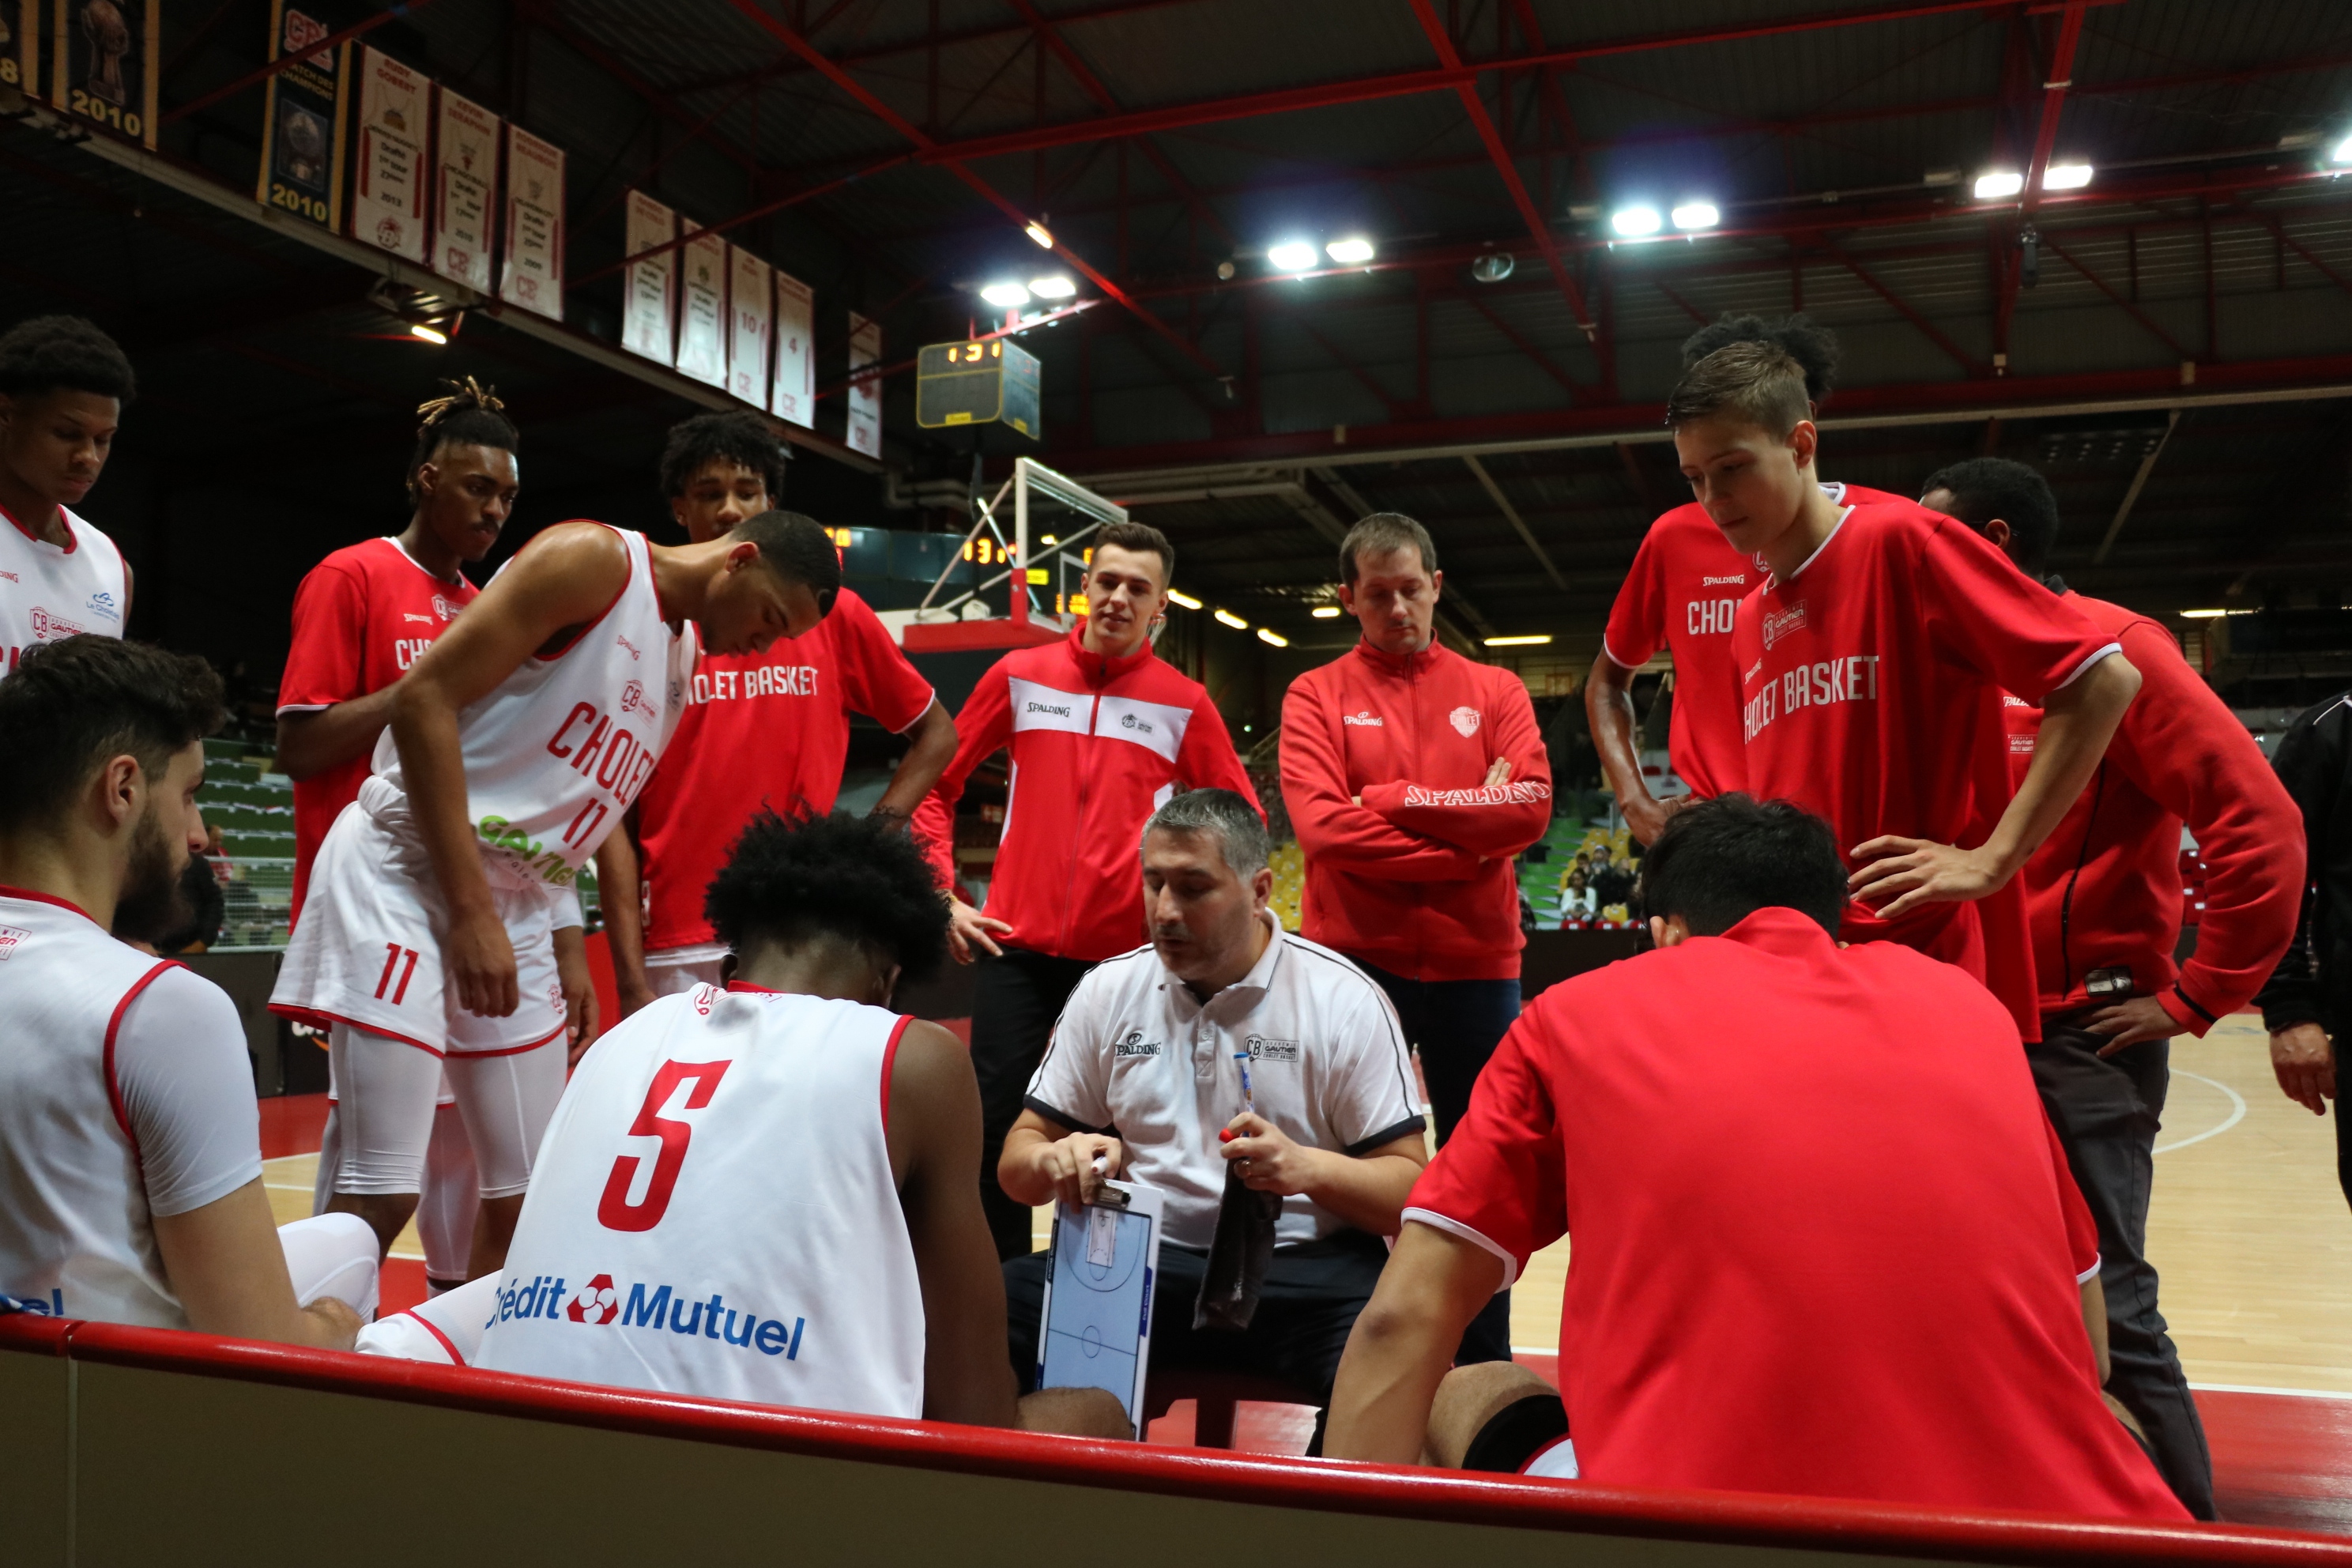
1098	744
2103	889
1417	879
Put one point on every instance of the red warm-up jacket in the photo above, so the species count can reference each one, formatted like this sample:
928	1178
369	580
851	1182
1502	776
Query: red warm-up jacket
1399	880
2104	891
1098	744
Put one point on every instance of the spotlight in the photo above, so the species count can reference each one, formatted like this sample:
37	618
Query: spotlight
1291	255
1040	234
1178	597
1009	296
1325	612
1352	251
2065	176
1049	542
1697	215
432	335
2211	615
1272	638
1493	266
1635	222
1056	286
1537	641
2341	154
1227	619
1998	186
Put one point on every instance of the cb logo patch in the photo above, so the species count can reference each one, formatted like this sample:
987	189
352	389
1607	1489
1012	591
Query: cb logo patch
595	1304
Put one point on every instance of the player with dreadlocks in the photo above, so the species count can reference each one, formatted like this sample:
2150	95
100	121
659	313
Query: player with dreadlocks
63	384
1680	595
361	618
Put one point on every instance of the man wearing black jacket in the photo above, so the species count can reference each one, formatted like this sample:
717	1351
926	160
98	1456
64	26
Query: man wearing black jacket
2309	997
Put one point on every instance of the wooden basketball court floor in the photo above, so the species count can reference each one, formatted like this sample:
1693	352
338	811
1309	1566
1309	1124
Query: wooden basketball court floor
2248	1229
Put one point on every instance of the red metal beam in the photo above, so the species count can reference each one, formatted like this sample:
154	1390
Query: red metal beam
2134	311
925	146
1538	229
255	78
2053	97
1928	329
543	14
1398	84
2015	395
1518	341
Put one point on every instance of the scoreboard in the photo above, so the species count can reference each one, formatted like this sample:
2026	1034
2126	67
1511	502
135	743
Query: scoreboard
993	382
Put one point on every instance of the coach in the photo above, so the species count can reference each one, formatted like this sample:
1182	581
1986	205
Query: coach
1412	776
1143	1075
2103	894
1826	1242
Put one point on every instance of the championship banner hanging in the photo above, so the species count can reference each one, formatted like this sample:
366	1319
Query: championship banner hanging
388	189
20	52
302	117
464	190
751	304
865	433
794	394
103	57
648	301
533	277
702	309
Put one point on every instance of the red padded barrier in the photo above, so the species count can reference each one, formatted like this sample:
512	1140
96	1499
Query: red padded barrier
1742	1518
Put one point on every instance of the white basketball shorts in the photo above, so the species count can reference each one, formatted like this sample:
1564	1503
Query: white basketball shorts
368	951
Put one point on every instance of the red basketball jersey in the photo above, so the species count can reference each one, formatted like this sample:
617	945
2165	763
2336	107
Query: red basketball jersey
362	617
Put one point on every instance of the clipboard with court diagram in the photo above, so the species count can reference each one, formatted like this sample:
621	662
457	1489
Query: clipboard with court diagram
1098	1307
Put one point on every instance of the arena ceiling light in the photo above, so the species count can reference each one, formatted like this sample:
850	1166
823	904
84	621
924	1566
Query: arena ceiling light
1536	640
2065	176
1325	612
1227	619
1998	184
1272	638
1178	597
1040	234
1056	286
2341	154
1352	251
1291	255
1009	296
432	335
1636	223
1696	214
2213	615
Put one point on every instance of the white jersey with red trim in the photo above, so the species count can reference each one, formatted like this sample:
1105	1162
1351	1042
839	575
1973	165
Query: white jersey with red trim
49	594
555	754
713	1212
76	1237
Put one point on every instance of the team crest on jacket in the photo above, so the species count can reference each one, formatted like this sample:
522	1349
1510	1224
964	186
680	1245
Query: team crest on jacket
1464	719
1778	624
597	1302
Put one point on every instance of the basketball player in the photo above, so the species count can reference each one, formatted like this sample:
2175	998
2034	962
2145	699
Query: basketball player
362	617
130	1143
764	1192
2103	896
1835	1252
758	730
1685	582
1873	661
1101	734
63	384
516	743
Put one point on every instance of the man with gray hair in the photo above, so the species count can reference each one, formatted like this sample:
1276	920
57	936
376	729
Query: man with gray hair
1227	1043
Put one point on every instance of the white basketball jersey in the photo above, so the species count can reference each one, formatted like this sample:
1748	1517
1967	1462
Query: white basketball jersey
713	1212
75	1235
49	594
557	751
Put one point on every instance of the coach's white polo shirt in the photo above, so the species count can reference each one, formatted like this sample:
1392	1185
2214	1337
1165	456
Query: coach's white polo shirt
1135	1054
